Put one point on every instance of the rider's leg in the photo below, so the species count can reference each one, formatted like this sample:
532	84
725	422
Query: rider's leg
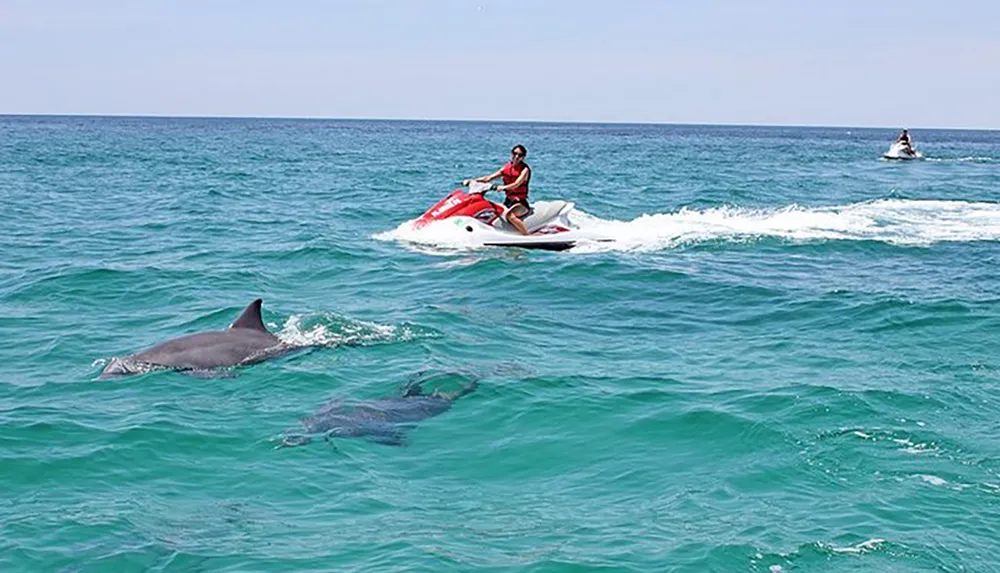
514	219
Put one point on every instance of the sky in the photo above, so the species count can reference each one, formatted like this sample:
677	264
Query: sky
899	63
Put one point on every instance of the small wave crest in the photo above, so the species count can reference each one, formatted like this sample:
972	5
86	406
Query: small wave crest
123	366
969	159
901	441
863	547
817	552
330	330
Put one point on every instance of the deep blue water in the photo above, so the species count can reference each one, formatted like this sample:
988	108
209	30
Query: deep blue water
786	361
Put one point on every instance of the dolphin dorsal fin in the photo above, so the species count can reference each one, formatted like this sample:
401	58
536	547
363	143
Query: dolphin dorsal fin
251	317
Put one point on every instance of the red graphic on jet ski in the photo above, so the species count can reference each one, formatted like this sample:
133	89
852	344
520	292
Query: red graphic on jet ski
461	204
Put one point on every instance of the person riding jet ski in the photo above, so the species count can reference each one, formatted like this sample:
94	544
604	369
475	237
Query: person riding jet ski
516	174
904	138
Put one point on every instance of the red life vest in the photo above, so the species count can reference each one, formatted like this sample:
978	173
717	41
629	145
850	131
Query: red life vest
510	174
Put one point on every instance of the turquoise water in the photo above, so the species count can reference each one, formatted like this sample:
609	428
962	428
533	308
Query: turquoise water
788	360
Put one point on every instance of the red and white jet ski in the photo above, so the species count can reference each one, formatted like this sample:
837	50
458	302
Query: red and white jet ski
547	221
902	152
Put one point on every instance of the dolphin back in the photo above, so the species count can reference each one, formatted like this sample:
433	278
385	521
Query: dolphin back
247	341
382	420
208	350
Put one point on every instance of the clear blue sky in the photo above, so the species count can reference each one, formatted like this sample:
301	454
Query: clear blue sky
891	63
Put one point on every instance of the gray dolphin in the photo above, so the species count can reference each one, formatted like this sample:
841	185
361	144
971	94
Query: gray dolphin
383	420
246	341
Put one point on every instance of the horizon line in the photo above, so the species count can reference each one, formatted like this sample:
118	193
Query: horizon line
466	120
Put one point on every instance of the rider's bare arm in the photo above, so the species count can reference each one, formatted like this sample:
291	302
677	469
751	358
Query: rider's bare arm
486	178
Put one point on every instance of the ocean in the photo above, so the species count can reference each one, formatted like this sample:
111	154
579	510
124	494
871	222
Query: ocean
787	360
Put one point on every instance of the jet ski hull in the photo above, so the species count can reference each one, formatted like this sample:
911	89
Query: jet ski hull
541	246
553	237
898	152
481	222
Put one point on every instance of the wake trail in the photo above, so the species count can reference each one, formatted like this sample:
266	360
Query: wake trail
892	221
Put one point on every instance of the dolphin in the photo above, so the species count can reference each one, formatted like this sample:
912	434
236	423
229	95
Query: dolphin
383	420
246	341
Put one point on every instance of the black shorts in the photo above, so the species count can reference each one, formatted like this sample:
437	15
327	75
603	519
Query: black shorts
510	202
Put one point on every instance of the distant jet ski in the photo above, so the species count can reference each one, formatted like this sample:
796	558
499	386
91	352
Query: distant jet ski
899	150
547	221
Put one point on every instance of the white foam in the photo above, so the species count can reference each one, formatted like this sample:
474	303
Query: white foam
893	221
437	234
906	444
862	547
910	447
933	480
328	330
918	449
970	159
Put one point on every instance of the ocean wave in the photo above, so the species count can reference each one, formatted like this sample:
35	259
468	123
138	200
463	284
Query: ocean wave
331	330
898	440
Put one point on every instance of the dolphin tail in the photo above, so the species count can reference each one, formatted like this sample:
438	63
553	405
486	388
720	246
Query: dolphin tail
413	389
414	385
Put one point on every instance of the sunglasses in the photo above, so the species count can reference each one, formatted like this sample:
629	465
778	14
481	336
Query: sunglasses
516	154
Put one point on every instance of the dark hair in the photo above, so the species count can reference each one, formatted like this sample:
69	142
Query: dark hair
519	147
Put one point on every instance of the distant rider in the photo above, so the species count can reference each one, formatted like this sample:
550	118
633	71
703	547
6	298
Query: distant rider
516	174
904	138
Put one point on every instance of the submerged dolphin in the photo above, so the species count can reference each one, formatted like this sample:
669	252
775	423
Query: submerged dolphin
383	420
246	341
